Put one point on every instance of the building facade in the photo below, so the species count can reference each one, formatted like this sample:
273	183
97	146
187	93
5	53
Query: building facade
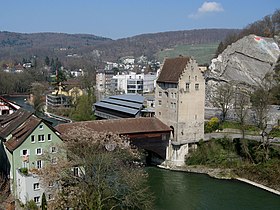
180	97
26	139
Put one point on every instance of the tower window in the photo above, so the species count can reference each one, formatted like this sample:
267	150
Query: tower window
188	87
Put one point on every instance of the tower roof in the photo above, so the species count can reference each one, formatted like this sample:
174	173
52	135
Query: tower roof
172	69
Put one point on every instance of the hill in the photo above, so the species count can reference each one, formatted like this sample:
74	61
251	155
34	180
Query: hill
15	46
150	44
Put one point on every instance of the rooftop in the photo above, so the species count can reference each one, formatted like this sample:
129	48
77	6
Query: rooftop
127	103
123	126
172	69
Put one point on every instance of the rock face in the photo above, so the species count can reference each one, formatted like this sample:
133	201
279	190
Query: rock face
245	61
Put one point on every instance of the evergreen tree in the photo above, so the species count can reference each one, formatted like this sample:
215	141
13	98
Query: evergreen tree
44	202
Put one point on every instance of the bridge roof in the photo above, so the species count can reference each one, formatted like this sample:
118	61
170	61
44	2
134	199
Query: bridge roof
124	126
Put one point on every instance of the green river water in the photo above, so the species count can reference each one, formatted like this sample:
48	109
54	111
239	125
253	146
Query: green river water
190	191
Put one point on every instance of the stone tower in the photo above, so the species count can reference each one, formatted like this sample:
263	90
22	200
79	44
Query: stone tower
180	96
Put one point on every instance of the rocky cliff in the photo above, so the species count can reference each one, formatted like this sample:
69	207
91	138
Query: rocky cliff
245	61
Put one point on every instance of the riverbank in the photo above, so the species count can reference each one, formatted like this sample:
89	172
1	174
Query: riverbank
218	173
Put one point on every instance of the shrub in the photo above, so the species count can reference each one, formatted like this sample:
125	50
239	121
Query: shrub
212	125
24	171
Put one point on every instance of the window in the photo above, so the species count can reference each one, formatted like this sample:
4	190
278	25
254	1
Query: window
39	151
195	78
50	197
24	152
76	171
172	95
196	86
36	186
53	150
41	127
175	95
188	87
37	199
195	117
32	139
54	160
159	113
159	94
49	137
41	138
51	184
159	102
39	164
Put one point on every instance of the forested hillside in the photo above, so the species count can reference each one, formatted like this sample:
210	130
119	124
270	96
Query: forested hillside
15	46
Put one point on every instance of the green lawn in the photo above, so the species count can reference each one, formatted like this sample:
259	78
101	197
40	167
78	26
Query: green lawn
202	53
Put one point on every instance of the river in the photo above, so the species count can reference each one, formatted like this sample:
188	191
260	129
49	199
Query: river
190	191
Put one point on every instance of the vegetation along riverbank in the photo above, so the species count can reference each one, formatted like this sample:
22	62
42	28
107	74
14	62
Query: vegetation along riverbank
227	159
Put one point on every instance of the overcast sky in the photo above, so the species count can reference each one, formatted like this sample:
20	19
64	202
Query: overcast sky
123	18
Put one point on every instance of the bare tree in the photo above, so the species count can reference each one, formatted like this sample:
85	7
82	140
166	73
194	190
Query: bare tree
100	172
260	100
241	106
222	98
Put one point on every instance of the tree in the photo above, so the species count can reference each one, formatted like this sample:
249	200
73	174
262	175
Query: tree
44	202
83	108
100	172
37	91
223	97
241	106
30	205
260	100
47	61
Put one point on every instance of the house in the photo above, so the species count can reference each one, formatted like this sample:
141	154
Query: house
24	139
77	73
104	83
19	68
66	94
129	83
7	107
179	98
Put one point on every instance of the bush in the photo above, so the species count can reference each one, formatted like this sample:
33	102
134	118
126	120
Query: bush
212	125
275	132
24	171
216	152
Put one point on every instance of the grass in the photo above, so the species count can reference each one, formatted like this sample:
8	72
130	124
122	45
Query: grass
275	132
236	125
202	53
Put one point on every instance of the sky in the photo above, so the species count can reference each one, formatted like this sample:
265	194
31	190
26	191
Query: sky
124	18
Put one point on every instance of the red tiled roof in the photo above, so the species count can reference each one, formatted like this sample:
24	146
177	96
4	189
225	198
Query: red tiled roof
172	69
122	126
